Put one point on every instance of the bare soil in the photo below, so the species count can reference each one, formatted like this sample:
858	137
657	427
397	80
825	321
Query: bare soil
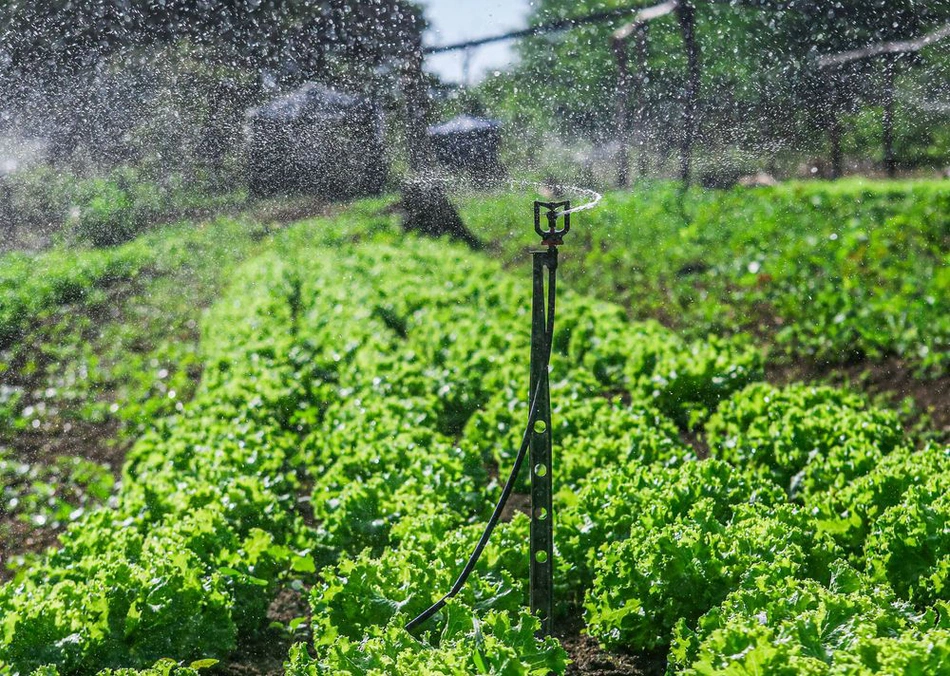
265	655
589	659
99	442
890	380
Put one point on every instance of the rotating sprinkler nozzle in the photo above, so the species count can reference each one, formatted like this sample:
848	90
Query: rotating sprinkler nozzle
553	236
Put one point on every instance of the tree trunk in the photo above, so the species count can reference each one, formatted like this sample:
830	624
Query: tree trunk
417	108
890	163
427	210
686	13
834	136
621	114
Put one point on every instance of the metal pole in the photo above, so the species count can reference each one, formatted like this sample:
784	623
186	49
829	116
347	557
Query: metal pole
887	122
837	156
621	115
542	531
687	18
542	320
639	84
537	436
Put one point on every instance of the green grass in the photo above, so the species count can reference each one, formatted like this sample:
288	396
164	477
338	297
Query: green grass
829	273
100	344
44	205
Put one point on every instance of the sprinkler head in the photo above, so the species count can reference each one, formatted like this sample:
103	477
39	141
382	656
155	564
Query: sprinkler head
552	236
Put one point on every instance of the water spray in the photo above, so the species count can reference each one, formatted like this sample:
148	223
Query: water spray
536	440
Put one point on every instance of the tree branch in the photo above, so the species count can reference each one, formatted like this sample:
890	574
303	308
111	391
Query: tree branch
881	48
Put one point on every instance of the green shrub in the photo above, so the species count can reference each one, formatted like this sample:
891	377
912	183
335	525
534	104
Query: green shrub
849	514
109	213
909	544
364	591
120	612
825	272
164	667
492	643
619	499
688	384
374	378
32	284
926	652
590	431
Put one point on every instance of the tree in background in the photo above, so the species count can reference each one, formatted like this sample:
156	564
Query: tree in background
761	93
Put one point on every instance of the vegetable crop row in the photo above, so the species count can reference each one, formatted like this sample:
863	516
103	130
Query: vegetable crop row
374	388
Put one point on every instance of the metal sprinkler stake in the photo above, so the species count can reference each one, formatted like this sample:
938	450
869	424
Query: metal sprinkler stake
542	518
537	435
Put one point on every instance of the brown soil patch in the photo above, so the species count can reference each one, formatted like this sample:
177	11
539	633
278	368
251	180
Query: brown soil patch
517	502
891	380
96	442
264	654
99	442
275	213
589	659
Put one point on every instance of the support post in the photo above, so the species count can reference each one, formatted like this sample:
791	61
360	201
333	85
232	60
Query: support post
542	522
834	134
541	550
636	30
887	123
639	88
628	82
829	102
621	113
686	13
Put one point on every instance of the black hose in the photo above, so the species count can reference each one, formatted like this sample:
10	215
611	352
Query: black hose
512	477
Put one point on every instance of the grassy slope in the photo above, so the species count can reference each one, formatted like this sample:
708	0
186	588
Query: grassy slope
100	344
829	272
847	281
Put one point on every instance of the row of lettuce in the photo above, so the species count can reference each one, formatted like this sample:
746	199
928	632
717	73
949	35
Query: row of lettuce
32	285
354	402
76	324
796	534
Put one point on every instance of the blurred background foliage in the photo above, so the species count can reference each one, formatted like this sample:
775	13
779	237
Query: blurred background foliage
763	103
124	112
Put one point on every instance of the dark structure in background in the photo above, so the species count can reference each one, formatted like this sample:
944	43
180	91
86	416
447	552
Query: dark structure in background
890	55
634	32
316	141
85	74
468	145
